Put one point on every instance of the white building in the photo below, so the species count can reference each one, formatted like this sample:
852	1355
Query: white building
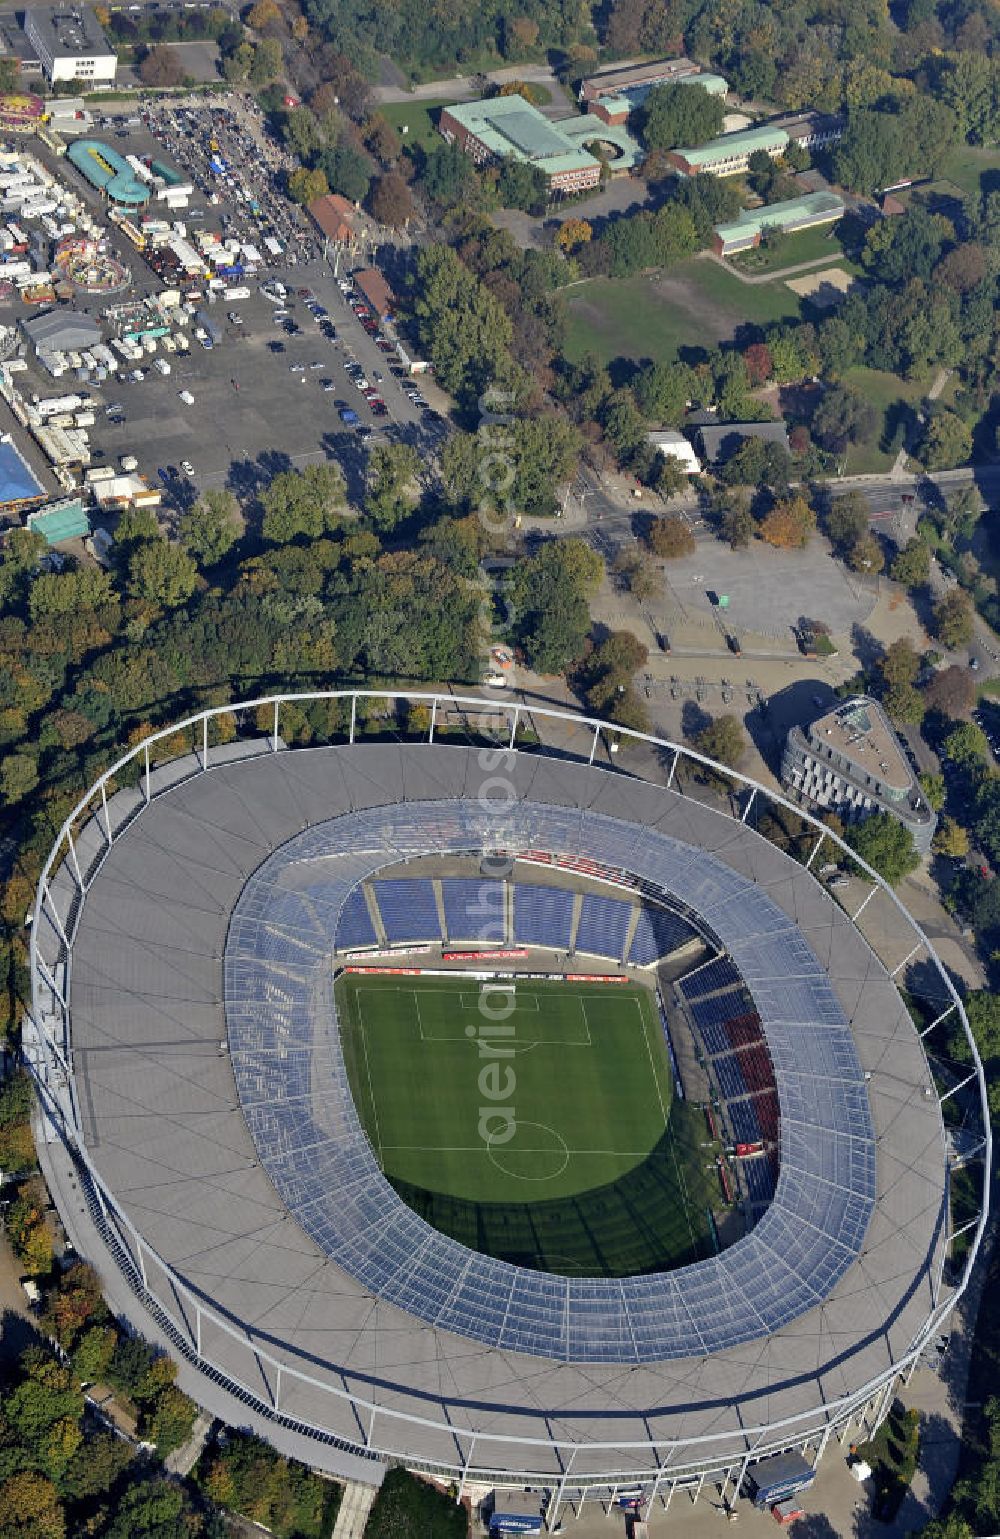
676	445
71	44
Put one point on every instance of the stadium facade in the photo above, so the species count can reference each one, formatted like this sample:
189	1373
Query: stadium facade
203	1149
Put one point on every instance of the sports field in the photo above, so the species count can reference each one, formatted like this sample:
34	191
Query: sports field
540	1126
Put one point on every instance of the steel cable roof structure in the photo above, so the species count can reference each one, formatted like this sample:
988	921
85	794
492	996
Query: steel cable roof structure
184	1036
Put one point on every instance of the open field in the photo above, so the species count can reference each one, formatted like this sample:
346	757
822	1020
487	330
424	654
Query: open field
974	169
586	1164
419	118
895	399
694	305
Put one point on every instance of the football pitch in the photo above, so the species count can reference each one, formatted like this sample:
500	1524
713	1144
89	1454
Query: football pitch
539	1125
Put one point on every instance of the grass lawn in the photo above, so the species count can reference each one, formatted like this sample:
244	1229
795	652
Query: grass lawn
694	305
891	396
419	118
803	246
586	1164
967	165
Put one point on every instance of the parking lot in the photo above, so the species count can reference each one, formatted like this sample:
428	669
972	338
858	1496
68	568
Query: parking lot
276	388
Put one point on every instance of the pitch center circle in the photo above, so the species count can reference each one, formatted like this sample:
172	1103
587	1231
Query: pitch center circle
531	1158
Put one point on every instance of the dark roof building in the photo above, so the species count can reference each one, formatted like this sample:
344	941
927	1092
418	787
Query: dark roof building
720	443
61	331
70	43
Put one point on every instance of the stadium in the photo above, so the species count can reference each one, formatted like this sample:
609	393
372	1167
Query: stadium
480	1088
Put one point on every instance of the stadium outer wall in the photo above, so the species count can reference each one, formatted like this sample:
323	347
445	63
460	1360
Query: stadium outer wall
236	1373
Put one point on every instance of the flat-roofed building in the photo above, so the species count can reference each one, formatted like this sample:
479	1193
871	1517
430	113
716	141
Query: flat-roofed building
814	208
810	130
611	82
676	446
71	44
850	761
729	155
505	127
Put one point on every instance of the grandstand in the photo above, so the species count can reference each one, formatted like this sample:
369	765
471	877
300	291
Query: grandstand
208	1156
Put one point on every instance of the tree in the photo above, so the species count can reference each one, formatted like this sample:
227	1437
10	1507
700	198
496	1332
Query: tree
737	525
680	115
882	841
953	619
522	185
842	417
789	524
904	703
945	442
161	67
966	747
162	574
30	1508
306	186
609	669
866	555
10	73
670	537
912	565
847	520
381	139
950	838
759	364
901	664
18	776
169	1425
153	1509
448	176
933	787
302	503
548	597
572	234
392	470
347	171
390	202
92	1355
268	62
210	529
662	393
722	740
951	691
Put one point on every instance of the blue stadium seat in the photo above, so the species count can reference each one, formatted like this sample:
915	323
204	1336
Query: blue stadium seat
543	916
355	927
720	974
603	926
657	933
474	909
408	909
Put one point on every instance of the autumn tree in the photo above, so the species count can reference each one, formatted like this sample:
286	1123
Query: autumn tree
950	838
572	234
866	555
670	537
306	186
953	619
161	67
390	201
789	524
722	740
946	441
951	691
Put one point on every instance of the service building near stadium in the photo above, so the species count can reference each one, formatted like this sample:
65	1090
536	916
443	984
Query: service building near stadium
205	1151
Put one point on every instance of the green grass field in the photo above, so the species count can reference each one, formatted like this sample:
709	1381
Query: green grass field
419	118
693	305
569	1152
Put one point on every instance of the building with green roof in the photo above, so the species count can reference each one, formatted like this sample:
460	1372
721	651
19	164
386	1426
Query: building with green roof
508	126
803	213
729	155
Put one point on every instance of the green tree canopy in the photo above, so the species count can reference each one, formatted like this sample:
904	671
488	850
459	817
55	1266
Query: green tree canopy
674	115
882	841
